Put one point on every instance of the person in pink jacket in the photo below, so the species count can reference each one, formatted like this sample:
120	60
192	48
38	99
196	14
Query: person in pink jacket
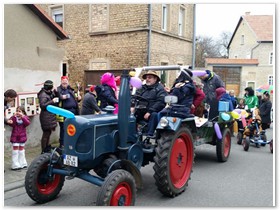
19	121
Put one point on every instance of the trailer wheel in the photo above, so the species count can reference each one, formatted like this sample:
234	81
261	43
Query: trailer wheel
173	161
239	137
271	146
38	185
118	189
223	146
264	138
246	143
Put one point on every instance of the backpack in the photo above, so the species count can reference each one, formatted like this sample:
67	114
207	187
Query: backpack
99	89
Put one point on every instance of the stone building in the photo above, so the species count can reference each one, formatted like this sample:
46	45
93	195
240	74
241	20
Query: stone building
121	36
251	54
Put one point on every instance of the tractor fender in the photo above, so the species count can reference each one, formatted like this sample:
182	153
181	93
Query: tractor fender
130	167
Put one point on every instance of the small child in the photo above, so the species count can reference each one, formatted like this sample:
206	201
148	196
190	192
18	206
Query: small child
18	122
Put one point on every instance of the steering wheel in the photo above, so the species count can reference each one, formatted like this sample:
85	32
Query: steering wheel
139	98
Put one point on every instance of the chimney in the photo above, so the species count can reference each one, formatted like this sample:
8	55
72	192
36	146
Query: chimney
247	13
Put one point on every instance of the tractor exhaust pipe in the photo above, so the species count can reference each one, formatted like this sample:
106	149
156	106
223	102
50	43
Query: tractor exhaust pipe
124	110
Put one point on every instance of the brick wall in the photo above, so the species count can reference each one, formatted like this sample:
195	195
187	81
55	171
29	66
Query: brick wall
116	35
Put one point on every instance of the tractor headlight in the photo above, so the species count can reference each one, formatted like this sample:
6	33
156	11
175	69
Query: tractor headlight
163	122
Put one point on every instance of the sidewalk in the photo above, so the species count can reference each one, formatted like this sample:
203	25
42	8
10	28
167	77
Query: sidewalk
15	179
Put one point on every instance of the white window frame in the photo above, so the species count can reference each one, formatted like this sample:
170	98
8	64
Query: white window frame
181	21
270	79
57	10
270	59
164	17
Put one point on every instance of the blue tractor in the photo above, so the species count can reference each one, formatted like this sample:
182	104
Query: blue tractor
108	150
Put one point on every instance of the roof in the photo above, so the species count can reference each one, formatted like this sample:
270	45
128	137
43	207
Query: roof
48	21
261	26
226	61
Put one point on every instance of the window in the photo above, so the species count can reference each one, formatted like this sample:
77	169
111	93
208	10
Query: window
164	17
271	58
270	80
99	18
57	14
163	75
251	84
181	21
242	39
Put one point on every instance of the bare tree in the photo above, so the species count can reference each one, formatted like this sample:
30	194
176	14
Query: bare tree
223	42
207	47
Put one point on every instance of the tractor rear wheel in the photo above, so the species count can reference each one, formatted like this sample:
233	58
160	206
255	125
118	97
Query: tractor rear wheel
223	146
38	185
173	161
118	189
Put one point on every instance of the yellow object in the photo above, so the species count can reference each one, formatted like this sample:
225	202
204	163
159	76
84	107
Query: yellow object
132	73
244	113
235	127
235	115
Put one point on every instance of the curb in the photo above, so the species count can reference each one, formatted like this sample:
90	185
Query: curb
13	185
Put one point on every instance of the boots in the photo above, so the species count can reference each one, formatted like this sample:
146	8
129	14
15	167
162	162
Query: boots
15	158
21	159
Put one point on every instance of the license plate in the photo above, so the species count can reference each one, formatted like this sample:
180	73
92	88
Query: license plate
70	160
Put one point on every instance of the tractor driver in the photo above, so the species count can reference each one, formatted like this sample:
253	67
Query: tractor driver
151	98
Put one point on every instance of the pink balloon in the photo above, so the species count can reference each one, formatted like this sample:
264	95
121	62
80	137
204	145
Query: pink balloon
218	131
198	73
135	82
243	121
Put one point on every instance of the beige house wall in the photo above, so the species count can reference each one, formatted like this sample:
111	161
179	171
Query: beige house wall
31	56
251	49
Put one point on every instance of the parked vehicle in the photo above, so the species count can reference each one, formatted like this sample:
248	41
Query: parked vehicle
114	147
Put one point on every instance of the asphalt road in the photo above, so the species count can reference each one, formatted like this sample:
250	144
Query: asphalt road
245	180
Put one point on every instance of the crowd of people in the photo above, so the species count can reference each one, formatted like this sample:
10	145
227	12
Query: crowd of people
194	98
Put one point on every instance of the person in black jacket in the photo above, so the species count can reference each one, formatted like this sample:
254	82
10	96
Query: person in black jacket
106	92
265	110
89	103
211	82
48	120
184	89
67	100
154	93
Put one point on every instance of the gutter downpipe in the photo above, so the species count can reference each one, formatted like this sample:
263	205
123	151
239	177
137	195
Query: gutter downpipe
149	35
194	35
254	49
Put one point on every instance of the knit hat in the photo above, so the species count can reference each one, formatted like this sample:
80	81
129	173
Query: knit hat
219	92
48	85
92	88
64	77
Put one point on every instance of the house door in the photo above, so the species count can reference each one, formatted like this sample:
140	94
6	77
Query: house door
92	77
231	77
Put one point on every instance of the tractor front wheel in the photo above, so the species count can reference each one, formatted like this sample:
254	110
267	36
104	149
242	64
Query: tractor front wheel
38	185
173	161
118	189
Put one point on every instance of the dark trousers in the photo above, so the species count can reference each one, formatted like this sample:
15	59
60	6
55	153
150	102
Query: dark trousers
45	140
153	122
61	134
